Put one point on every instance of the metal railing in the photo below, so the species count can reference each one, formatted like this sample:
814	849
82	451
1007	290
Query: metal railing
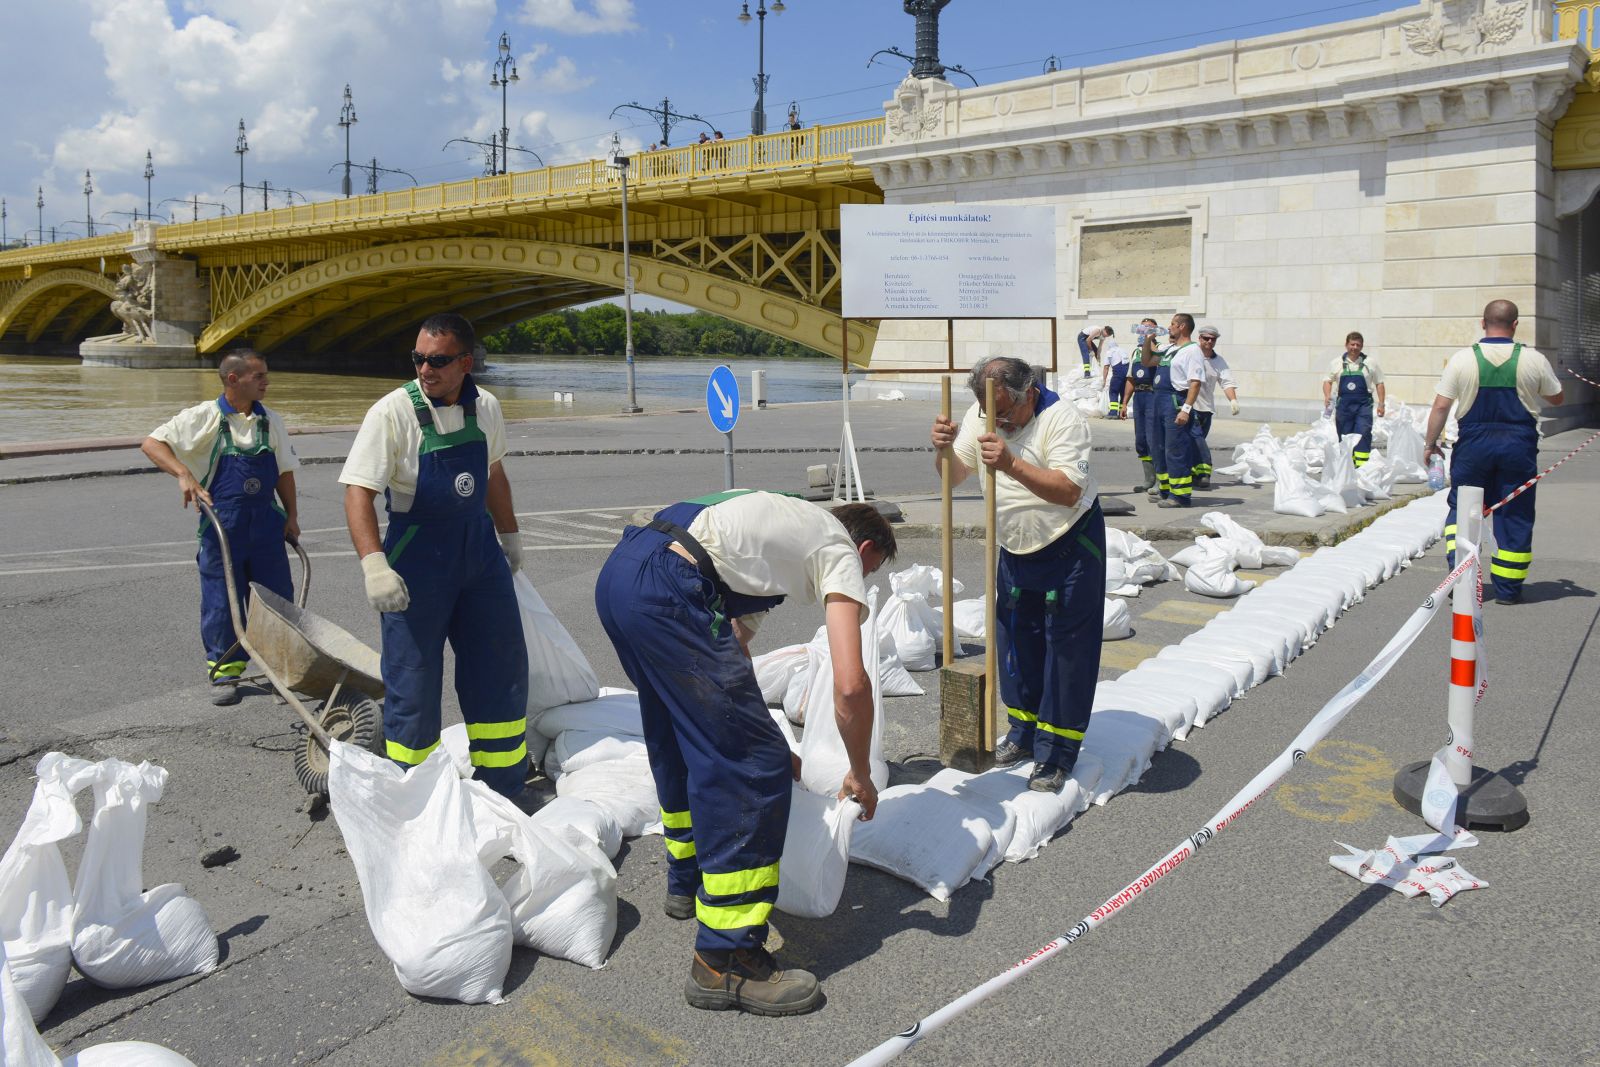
1575	21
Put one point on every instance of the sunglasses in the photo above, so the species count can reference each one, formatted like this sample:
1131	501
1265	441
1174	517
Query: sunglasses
436	362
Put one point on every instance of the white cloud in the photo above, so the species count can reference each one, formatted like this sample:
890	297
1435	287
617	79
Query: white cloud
565	16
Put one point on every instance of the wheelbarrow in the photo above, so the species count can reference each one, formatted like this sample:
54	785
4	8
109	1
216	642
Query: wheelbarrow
301	653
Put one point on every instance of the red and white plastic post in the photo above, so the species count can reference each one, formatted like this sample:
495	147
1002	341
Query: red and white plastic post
1464	600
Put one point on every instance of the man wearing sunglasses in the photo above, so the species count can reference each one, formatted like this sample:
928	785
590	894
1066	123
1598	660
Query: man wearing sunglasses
442	570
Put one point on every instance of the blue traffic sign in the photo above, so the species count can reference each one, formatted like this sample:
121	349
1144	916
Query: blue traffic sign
722	399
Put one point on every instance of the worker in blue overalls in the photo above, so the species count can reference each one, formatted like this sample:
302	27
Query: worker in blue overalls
681	598
234	454
1185	371
443	568
1497	385
1114	370
1139	399
1357	376
1051	576
1089	349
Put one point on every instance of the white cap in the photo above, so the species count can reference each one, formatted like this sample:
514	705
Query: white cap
1207	328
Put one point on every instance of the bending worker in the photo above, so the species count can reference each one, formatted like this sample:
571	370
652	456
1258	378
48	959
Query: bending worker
1186	371
443	570
1496	386
1216	369
1089	348
1051	578
681	599
1358	376
233	453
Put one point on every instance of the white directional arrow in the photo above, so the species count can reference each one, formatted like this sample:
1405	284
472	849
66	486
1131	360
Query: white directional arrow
727	405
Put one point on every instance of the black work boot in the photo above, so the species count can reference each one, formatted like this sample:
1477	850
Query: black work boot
225	694
749	980
678	907
1006	754
1149	482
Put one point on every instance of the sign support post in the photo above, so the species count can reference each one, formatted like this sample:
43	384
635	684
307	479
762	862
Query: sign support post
722	408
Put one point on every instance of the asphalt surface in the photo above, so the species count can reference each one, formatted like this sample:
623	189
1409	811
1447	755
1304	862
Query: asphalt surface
1254	952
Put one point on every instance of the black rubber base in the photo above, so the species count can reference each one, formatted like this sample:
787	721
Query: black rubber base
1489	803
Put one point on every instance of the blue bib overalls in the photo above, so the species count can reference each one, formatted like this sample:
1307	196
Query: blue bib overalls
1119	378
1160	420
720	763
242	483
1179	441
1354	413
1143	403
446	549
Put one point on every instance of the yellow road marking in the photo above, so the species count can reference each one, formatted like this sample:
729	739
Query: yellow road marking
1188	612
1260	577
1360	787
1126	655
553	1027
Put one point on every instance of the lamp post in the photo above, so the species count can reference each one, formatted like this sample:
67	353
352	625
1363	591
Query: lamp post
40	203
149	175
620	161
758	117
3	240
502	81
88	205
347	119
240	147
195	202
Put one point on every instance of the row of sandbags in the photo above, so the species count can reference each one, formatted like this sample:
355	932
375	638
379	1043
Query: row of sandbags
955	827
1313	472
118	934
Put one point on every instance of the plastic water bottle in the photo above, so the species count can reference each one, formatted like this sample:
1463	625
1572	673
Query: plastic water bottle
1436	472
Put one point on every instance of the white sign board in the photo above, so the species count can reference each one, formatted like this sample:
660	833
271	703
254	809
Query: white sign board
964	261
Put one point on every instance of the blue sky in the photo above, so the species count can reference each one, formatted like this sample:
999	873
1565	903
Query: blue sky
94	84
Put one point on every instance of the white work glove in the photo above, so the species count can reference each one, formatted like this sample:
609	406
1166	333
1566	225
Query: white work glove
1234	406
386	590
511	544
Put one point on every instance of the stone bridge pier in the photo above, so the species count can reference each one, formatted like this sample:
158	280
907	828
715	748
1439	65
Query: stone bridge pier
179	305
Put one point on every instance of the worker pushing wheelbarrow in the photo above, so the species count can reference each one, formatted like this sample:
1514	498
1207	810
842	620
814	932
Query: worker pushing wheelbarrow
302	654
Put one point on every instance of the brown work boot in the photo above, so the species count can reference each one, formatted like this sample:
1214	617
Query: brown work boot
750	981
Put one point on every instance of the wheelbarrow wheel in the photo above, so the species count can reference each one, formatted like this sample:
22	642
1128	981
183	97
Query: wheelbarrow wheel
356	720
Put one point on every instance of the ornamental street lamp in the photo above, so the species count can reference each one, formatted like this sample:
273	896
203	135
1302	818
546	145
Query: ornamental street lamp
40	203
758	116
347	119
663	116
149	174
88	205
3	240
240	147
620	162
195	202
502	81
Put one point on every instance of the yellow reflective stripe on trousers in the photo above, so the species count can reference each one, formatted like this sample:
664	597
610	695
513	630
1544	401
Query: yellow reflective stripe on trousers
1060	731
494	731
675	820
501	759
401	754
1507	572
733	917
1514	557
1021	716
679	850
231	669
732	883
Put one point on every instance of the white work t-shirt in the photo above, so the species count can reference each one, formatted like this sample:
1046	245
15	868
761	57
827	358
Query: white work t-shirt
768	544
1112	354
1535	377
1216	371
1188	365
1367	365
1056	438
192	436
384	453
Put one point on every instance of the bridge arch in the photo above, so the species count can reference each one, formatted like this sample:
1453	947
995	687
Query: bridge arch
461	268
38	302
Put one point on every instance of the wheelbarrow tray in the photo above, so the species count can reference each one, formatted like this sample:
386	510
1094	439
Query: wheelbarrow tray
309	653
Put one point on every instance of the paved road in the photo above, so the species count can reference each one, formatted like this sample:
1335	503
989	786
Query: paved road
1255	952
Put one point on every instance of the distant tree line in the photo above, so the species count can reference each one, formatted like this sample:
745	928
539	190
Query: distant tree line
599	330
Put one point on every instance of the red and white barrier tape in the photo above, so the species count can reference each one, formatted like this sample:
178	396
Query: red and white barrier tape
1581	378
1529	484
1319	727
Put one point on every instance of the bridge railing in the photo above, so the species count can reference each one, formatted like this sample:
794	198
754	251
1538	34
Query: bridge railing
774	151
1575	21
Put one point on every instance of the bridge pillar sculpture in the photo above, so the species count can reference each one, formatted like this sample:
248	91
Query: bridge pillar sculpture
163	305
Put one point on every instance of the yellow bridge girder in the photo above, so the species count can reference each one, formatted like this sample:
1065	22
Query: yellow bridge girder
33	305
452	268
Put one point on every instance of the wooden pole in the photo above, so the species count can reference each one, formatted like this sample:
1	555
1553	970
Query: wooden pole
947	513
991	658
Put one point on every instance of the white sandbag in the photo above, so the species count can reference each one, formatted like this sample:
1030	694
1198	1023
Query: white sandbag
122	935
823	759
1192	554
1259	660
927	837
1339	471
1213	576
1119	578
622	788
1291	492
784	728
895	681
1297	627
578	820
1120	764
127	1054
432	906
969	619
775	670
924	581
614	711
576	749
816	853
563	893
914	629
1280	642
1143	733
20	1043
558	672
1086	772
1116	623
1001	820
1279	556
1211	688
794	697
1170	712
1376	477
1238	667
1319	601
1258	645
35	892
1039	816
1248	550
1405	453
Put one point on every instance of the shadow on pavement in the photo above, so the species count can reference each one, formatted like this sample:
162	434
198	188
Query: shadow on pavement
1540	592
1518	772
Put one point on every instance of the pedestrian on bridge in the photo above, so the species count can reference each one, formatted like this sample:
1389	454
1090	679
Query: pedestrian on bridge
1051	577
234	454
1217	370
1496	386
681	599
1358	377
434	448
